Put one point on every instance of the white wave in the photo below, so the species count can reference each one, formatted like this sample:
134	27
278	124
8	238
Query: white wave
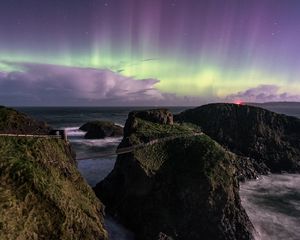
74	132
98	142
273	206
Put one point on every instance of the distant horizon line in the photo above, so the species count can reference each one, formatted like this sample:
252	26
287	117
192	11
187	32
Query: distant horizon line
145	106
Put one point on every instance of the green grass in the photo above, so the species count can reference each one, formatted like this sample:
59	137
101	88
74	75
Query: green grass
42	195
146	131
202	155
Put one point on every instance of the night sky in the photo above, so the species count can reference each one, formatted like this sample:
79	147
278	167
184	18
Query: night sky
148	52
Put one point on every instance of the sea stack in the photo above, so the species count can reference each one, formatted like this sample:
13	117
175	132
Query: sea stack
184	188
101	129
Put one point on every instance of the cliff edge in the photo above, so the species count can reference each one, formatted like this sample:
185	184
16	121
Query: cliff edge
270	141
42	194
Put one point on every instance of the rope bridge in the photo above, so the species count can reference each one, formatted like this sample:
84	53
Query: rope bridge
139	146
59	134
29	135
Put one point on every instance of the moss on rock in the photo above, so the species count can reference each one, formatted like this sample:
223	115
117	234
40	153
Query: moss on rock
42	195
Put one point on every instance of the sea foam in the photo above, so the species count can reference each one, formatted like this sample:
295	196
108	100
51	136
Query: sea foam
273	205
74	132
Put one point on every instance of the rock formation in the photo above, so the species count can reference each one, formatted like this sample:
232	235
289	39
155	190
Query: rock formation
101	129
268	140
185	188
161	116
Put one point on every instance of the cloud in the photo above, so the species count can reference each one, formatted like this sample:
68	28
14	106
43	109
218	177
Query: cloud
37	84
263	93
45	84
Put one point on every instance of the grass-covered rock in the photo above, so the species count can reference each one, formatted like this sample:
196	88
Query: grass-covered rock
268	140
184	188
12	121
42	195
101	129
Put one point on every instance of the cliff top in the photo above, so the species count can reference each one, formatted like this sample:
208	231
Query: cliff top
42	195
267	137
12	121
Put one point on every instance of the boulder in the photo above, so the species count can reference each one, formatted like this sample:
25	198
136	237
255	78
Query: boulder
183	188
101	129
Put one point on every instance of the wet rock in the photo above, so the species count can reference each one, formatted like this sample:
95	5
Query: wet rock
101	129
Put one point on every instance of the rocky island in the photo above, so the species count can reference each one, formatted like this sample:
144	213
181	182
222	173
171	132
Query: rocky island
101	129
184	188
268	141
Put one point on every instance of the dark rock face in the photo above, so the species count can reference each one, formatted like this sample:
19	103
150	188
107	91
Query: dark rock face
269	140
101	129
14	122
185	188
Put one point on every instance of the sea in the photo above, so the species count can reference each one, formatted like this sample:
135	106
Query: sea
272	202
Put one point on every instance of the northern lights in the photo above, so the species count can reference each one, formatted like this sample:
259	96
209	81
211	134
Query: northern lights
192	49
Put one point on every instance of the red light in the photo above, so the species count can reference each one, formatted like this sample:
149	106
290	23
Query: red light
238	102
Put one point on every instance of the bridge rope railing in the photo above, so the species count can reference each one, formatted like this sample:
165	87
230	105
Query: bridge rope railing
29	135
125	150
59	134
